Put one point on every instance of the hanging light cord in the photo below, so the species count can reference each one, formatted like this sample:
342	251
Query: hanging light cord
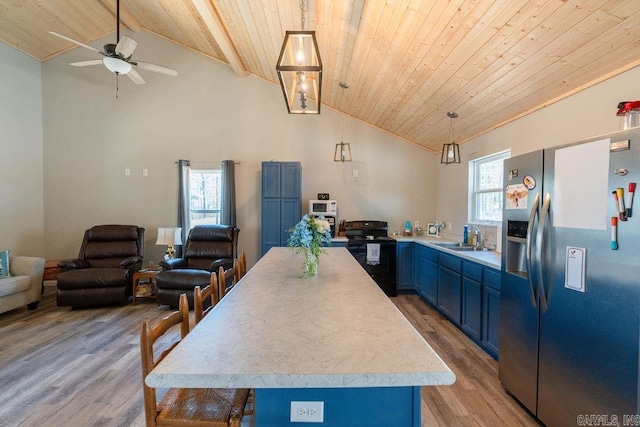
451	130
303	18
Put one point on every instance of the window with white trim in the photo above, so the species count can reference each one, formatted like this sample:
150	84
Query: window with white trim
205	195
486	188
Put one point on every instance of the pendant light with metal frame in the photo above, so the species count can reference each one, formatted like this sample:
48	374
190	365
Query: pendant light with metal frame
450	151
342	152
299	69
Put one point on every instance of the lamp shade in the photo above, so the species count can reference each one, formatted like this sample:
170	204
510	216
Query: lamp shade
300	72
169	236
116	65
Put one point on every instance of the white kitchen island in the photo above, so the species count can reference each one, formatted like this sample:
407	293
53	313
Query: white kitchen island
334	338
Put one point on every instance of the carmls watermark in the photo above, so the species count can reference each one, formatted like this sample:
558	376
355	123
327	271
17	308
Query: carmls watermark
608	420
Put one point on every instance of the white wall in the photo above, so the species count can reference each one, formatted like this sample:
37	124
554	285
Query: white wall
204	114
590	112
21	189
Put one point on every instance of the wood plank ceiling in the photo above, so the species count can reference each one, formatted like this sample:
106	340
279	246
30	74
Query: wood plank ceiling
407	62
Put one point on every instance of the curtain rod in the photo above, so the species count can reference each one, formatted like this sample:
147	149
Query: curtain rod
208	163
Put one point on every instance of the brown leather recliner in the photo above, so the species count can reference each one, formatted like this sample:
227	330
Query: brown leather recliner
102	273
208	247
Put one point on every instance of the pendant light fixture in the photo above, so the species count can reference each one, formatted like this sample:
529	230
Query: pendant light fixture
299	69
450	151
342	152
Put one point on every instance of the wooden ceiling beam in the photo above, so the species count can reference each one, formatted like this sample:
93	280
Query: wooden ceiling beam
218	31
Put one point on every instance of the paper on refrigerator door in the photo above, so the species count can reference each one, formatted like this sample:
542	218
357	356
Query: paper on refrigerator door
580	193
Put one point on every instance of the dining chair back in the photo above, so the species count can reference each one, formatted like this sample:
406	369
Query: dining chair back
226	281
210	292
185	406
243	263
237	270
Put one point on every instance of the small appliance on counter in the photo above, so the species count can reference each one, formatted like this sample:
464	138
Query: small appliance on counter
375	251
327	208
407	228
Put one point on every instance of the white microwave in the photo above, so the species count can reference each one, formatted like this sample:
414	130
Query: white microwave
323	207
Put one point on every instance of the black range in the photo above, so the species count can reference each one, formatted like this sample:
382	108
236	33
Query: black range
375	251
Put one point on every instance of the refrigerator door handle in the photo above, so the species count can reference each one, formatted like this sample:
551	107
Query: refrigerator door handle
542	223
532	217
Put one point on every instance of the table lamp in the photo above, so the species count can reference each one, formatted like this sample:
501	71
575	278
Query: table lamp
169	236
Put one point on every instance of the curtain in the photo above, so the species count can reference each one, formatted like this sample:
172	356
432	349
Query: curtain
184	216
228	209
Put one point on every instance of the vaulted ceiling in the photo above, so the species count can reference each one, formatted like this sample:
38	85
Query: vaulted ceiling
407	62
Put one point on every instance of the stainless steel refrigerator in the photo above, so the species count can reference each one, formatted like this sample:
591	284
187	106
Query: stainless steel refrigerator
570	296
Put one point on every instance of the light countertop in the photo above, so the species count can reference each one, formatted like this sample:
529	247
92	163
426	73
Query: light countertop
486	258
278	330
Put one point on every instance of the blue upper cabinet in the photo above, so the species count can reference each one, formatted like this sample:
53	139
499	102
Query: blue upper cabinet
291	182
281	201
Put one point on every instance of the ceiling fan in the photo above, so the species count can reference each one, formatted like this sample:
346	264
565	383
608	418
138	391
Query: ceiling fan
117	57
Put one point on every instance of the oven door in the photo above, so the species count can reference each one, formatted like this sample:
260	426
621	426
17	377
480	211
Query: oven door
384	273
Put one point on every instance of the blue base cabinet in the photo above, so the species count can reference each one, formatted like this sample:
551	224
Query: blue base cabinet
465	292
427	273
491	311
450	287
371	407
472	299
281	201
405	267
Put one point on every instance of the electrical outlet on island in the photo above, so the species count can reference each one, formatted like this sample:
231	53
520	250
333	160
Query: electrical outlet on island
307	412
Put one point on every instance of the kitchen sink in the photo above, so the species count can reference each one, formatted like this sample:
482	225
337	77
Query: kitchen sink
457	246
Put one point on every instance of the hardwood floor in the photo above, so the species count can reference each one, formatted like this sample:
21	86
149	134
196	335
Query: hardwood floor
82	368
477	397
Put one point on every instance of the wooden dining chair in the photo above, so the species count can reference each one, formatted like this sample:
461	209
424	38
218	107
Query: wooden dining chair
185	406
243	263
237	270
200	296
226	281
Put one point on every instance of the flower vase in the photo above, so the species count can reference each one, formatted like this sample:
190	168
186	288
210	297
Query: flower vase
310	265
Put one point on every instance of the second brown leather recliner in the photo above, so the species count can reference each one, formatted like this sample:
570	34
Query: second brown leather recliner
208	247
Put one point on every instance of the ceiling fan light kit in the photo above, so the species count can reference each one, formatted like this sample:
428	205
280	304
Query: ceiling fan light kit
117	57
116	65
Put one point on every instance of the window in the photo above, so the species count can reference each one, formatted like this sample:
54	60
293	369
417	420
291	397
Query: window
205	196
485	188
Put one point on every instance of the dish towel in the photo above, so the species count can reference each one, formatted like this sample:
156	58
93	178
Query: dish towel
373	253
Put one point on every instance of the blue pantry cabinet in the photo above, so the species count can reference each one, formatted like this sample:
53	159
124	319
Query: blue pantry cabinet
281	201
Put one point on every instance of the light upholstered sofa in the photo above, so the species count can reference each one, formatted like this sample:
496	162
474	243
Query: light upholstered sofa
24	286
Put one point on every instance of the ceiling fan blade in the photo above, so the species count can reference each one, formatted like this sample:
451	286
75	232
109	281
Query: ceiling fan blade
156	68
87	63
135	77
74	41
126	46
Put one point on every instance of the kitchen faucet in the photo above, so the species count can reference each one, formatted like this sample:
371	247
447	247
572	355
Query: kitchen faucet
477	237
